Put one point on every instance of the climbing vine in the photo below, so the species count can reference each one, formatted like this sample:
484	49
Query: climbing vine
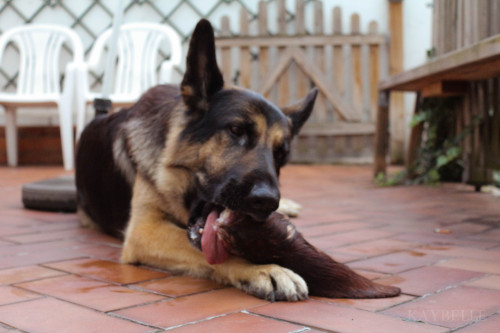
439	156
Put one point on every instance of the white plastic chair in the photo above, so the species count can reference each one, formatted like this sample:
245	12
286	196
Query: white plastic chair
137	62
38	83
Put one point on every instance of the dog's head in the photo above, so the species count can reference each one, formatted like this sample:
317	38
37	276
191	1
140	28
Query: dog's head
241	139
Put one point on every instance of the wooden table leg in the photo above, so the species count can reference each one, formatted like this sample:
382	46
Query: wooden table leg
381	133
415	139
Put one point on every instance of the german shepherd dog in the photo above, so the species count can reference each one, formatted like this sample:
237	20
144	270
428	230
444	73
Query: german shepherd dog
201	155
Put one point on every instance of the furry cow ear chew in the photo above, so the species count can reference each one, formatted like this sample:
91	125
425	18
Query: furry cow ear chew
202	78
300	111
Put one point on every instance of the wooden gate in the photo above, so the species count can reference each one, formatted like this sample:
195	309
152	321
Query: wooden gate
284	66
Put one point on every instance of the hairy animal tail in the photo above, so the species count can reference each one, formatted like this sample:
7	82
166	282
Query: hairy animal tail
277	241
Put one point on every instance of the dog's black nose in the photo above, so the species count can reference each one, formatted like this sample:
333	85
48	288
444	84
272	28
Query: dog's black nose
263	199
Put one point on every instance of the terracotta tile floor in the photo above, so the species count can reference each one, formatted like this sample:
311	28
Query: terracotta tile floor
441	245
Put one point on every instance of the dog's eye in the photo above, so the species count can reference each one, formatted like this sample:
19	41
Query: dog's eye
280	153
237	131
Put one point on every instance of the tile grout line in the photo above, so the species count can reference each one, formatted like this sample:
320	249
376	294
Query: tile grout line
290	322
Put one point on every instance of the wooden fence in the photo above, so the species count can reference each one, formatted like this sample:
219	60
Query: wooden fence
458	24
345	67
481	149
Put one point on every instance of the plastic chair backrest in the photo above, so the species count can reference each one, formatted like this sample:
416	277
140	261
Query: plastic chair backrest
39	55
137	53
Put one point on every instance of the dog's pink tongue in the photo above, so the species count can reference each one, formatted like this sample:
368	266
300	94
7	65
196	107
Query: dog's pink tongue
211	246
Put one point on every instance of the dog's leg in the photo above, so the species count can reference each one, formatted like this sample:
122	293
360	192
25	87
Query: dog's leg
153	240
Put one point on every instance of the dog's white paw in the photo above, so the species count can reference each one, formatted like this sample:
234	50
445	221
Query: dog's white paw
289	207
274	283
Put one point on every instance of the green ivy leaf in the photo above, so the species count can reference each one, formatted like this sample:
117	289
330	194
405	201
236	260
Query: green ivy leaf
418	118
453	152
442	160
433	176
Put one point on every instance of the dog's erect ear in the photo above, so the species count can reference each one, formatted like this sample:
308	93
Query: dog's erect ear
300	111
202	78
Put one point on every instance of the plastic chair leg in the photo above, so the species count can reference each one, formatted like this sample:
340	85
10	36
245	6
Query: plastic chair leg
65	108
81	104
66	127
11	135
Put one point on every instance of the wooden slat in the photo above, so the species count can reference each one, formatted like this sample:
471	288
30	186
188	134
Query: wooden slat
482	131
440	48
283	82
396	56
357	82
415	139
320	107
300	24
281	4
278	68
460	24
476	110
495	123
494	18
263	50
374	70
468	22
338	129
245	57
444	89
479	61
345	110
339	83
435	26
449	26
282	41
302	81
226	51
467	122
338	55
482	19
381	134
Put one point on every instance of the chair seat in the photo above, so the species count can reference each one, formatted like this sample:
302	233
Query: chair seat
20	100
119	100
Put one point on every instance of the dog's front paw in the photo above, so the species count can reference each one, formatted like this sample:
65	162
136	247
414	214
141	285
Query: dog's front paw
273	282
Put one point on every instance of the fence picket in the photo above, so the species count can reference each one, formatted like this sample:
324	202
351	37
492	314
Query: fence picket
263	51
301	80
338	55
226	51
283	81
374	71
319	59
245	56
357	81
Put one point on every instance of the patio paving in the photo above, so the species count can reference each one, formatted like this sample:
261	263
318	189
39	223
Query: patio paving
440	244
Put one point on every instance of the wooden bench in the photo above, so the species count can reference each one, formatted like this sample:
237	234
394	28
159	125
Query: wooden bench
444	76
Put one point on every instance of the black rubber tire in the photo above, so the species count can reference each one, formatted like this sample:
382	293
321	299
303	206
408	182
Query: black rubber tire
55	194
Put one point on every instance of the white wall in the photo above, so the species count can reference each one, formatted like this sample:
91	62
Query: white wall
417	39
